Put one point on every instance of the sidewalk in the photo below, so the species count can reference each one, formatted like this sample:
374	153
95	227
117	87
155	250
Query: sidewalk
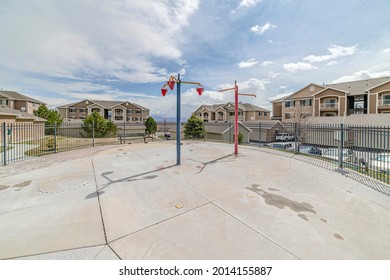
259	205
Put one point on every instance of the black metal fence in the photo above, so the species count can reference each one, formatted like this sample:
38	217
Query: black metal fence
364	149
21	141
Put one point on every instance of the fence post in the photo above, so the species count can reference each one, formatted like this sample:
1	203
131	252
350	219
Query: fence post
55	137
230	133
4	144
296	143
259	134
93	134
124	132
341	144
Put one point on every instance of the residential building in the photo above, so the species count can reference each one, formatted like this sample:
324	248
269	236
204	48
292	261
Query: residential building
225	112
18	101
371	96
18	108
116	111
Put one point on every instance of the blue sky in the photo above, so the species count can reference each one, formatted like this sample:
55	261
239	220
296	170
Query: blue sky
64	51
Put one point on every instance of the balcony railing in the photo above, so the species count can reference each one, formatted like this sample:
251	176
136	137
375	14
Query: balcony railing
329	105
384	103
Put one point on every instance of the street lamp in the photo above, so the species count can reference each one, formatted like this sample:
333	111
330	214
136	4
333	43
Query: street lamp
170	85
236	94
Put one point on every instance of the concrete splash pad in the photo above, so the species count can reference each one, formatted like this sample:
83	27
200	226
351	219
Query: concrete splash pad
133	202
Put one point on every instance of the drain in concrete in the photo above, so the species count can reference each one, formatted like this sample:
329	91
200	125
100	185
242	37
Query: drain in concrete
16	187
2	188
281	202
179	205
19	186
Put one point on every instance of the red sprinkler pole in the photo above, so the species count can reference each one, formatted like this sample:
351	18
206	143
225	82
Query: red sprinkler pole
235	118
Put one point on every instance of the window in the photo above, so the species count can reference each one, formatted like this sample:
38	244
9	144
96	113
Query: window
240	113
386	99
287	116
265	114
95	110
83	111
231	114
72	110
288	104
306	102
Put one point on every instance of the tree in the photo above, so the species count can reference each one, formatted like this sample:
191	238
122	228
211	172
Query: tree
194	128
97	126
240	138
52	118
150	126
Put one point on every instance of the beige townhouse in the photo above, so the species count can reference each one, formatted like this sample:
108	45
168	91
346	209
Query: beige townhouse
371	96
116	111
18	108
225	112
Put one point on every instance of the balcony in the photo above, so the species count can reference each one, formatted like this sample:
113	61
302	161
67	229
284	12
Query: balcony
331	106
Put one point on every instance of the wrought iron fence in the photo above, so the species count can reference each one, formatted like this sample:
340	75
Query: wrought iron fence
364	149
21	141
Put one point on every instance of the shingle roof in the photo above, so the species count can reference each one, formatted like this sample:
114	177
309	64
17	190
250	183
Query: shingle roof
265	124
241	106
13	95
104	103
4	110
222	128
359	87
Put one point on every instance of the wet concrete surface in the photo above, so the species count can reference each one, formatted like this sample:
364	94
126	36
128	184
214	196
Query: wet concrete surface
133	202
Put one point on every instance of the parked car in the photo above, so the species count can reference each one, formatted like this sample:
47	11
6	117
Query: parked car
348	155
285	146
284	137
381	162
309	150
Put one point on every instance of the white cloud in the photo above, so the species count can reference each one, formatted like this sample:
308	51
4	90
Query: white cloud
267	62
362	75
386	51
299	66
247	63
333	62
335	52
248	3
115	39
260	29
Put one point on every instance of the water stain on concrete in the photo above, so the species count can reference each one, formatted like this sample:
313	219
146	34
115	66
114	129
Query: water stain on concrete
22	185
272	189
323	220
303	217
281	202
338	236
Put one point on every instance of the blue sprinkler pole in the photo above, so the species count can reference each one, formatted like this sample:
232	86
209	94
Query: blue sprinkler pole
178	126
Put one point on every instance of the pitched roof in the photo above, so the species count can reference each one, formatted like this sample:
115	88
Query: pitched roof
13	95
251	107
4	110
104	103
222	128
265	124
359	87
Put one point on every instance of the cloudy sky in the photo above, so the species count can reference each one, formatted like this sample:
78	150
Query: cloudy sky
64	51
